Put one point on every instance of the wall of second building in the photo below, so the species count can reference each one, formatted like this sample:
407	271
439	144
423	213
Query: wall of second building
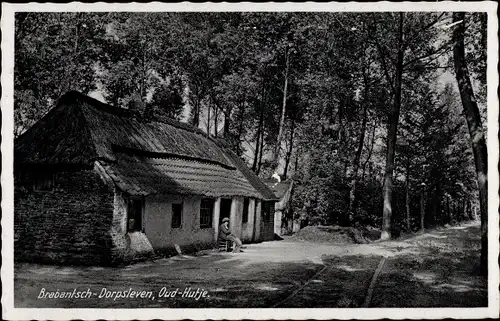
189	236
258	229
278	216
267	226
66	225
258	221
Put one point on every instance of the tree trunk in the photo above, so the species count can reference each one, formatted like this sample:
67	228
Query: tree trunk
275	160
407	196
422	209
261	149
370	151
240	128
257	143
392	137
296	165
216	121
217	110
471	208
75	54
437	204
143	80
357	156
476	133
346	166
196	113
290	149
466	209
259	129
448	209
227	122
208	120
435	201
460	210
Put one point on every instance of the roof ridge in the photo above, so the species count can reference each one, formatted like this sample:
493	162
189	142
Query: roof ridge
75	95
149	154
254	180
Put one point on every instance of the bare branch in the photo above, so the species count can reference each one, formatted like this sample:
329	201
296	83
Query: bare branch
427	68
433	23
426	27
216	103
445	47
375	80
386	70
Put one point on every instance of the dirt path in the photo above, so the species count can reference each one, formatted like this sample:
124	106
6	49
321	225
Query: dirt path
430	270
440	269
436	269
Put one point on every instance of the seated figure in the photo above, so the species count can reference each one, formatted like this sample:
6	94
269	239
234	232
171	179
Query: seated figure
225	234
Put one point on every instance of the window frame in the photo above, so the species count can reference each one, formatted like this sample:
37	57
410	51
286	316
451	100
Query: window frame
180	215
210	215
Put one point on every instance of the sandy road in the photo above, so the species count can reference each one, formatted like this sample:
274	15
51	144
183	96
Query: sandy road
434	269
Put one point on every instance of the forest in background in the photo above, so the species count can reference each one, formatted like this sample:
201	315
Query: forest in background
371	114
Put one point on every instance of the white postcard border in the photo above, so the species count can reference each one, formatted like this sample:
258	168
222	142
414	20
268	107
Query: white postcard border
7	273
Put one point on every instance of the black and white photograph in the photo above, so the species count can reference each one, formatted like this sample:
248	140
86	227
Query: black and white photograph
189	159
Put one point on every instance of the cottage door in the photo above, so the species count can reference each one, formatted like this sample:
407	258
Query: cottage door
225	208
135	211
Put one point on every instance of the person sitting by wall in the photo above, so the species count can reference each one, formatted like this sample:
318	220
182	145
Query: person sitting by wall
225	234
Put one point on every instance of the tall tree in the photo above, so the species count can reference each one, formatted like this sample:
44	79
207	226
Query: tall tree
392	133
476	132
281	124
413	50
361	142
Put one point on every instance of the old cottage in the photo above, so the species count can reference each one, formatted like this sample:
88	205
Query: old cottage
283	220
95	184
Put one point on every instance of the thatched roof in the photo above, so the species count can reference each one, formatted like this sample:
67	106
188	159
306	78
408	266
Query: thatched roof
141	157
282	190
279	188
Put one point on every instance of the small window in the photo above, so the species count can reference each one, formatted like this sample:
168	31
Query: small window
43	182
267	210
176	215
246	203
206	212
134	215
